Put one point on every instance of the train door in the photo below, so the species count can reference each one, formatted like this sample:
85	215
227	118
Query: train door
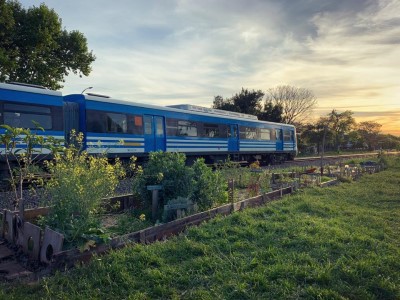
279	140
154	133
71	119
233	138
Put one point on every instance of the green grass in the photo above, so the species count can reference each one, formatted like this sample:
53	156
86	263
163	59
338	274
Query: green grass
341	242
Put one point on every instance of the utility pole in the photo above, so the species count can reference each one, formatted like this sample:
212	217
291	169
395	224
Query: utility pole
323	151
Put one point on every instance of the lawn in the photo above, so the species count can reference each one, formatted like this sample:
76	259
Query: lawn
341	242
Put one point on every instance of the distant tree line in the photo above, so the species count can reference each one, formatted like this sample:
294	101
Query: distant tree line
288	104
338	131
292	105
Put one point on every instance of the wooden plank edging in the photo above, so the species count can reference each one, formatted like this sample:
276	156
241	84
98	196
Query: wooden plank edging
160	232
329	183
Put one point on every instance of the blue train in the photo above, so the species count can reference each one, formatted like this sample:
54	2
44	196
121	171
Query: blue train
124	128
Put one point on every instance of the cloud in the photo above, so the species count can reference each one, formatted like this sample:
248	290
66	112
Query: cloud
179	51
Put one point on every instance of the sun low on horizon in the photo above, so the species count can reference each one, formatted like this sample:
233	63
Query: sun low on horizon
186	51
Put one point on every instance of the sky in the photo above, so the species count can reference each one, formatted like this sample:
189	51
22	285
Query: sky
167	52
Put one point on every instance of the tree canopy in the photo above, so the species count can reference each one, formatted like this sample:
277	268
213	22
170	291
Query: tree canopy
340	124
250	102
369	131
35	49
296	103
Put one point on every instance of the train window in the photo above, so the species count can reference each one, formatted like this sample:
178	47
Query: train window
16	119
265	134
101	122
278	134
223	131
27	108
137	125
148	127
287	135
172	127
17	115
232	131
159	126
273	134
117	123
187	128
248	133
95	121
211	130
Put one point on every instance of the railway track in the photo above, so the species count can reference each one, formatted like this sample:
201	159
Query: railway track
326	160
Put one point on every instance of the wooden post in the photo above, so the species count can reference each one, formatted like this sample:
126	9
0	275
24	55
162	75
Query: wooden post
154	204
154	200
231	191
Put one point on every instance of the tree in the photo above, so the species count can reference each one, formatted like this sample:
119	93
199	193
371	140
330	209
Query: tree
340	124
246	102
227	104
309	138
369	131
296	103
271	113
389	141
249	102
35	49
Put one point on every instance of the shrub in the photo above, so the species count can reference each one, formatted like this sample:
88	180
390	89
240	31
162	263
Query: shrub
209	188
199	184
79	183
167	169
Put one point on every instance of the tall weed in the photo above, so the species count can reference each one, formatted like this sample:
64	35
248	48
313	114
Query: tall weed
79	183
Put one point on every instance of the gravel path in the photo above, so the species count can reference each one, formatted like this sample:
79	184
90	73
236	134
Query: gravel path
37	197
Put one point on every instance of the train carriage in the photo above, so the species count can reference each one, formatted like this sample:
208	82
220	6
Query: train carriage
20	104
122	128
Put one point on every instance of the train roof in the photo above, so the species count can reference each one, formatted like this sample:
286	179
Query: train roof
29	88
174	108
213	111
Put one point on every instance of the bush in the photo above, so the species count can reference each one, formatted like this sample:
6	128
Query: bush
209	188
167	169
199	184
79	183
